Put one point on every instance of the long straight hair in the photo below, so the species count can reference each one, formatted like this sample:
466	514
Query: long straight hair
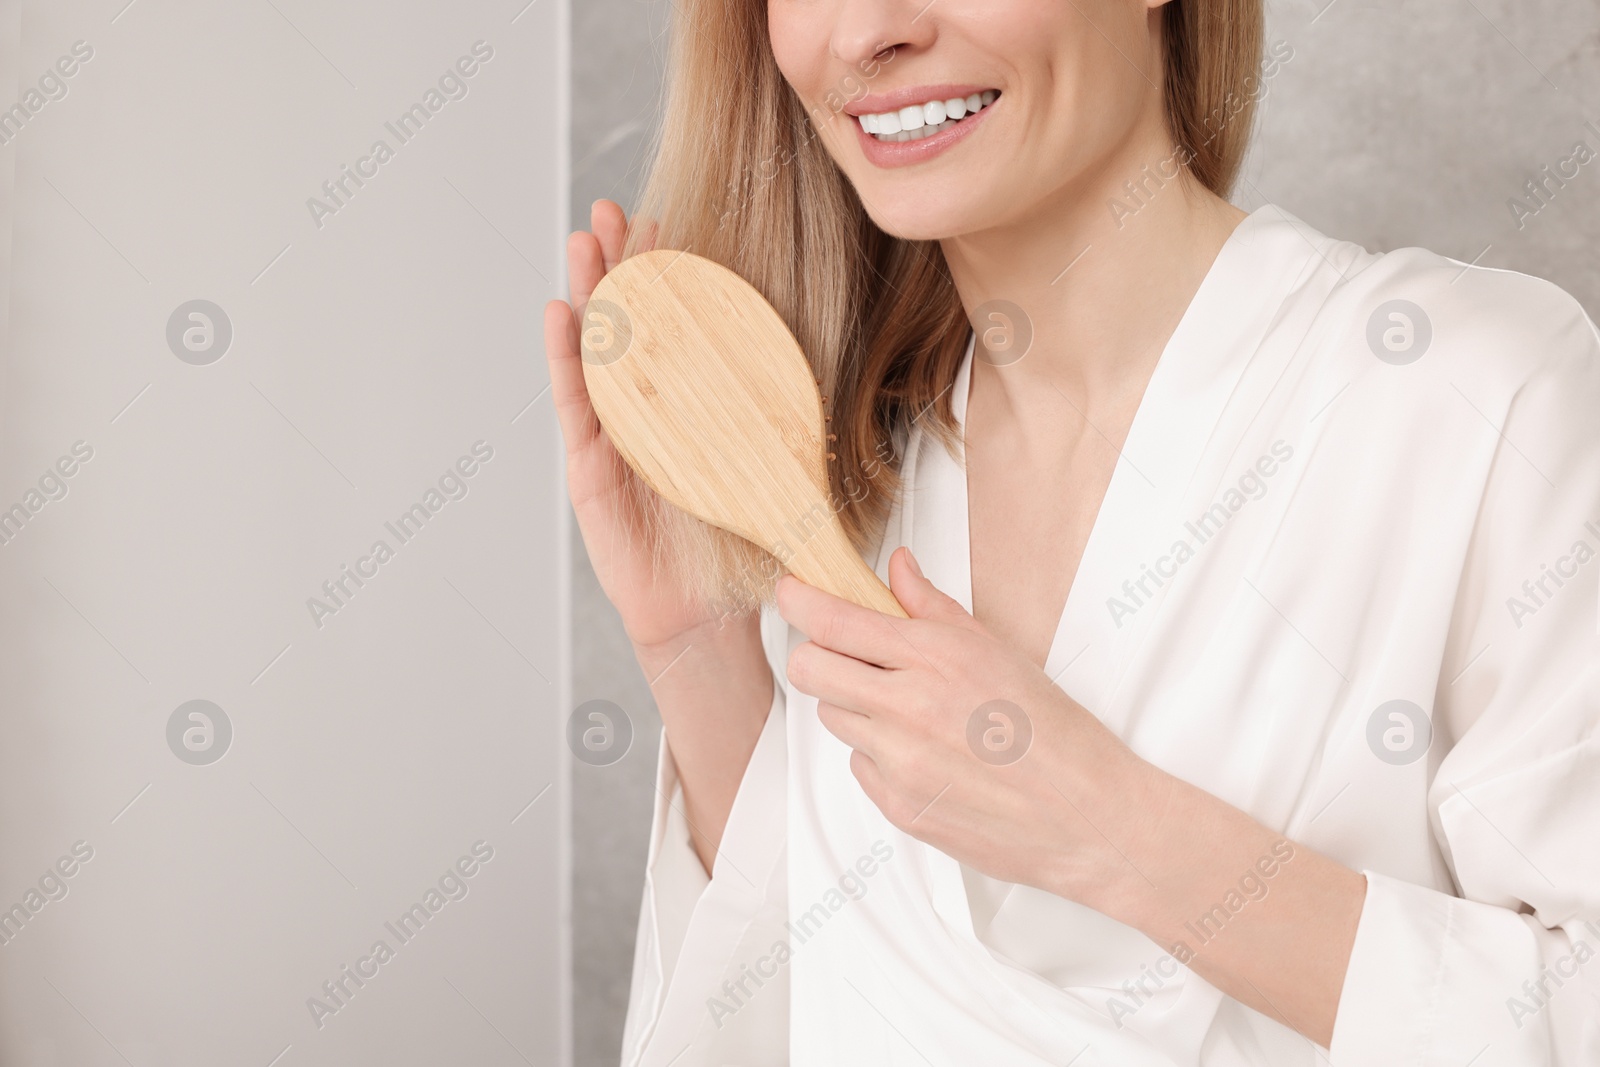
739	176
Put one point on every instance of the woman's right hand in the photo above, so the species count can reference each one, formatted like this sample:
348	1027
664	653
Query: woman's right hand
658	609
713	703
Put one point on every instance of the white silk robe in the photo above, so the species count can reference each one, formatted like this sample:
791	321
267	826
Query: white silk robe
1327	504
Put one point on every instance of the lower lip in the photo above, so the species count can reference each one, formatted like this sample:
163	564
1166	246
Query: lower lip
906	153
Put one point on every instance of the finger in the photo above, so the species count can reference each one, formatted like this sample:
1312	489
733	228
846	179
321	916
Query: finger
585	267
838	679
850	727
568	391
845	627
870	777
610	226
920	597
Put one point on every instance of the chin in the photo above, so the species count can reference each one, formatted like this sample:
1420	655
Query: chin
921	230
931	218
946	198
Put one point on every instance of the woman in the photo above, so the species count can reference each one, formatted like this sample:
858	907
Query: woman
1247	704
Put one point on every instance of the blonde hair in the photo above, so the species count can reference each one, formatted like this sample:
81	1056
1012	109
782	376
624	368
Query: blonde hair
739	176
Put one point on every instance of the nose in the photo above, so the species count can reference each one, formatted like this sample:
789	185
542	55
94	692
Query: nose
872	29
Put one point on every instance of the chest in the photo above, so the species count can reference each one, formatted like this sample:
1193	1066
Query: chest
1034	491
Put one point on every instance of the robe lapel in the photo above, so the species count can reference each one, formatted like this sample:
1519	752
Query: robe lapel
1182	420
930	518
1178	420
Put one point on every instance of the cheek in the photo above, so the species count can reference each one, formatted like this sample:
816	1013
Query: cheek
798	36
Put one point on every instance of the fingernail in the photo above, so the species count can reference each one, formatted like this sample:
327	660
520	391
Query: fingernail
912	559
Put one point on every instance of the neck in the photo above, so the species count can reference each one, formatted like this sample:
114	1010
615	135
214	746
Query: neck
1103	270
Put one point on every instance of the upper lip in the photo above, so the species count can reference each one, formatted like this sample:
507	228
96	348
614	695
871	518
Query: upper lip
880	103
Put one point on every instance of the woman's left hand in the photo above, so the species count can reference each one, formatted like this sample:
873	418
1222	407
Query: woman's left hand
964	743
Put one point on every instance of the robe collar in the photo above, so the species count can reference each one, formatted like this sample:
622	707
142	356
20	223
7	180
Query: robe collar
1265	257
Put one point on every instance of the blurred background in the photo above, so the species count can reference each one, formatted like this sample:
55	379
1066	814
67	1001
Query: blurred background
244	347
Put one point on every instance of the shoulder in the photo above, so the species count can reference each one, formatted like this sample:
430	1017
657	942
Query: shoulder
1447	321
1477	385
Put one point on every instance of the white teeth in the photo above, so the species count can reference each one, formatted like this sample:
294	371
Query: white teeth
927	130
922	120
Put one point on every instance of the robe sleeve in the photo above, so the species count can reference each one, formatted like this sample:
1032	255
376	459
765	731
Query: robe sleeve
708	986
1505	971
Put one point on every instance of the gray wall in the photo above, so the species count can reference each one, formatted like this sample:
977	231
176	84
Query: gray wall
187	888
1391	125
1415	123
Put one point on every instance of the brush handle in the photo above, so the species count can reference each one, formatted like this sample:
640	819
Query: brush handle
828	561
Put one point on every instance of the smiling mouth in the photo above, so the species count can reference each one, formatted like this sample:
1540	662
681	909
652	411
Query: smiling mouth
917	121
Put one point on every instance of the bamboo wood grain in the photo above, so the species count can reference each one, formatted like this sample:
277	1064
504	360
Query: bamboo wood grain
708	397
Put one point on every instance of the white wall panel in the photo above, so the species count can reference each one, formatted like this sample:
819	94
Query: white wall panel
385	355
